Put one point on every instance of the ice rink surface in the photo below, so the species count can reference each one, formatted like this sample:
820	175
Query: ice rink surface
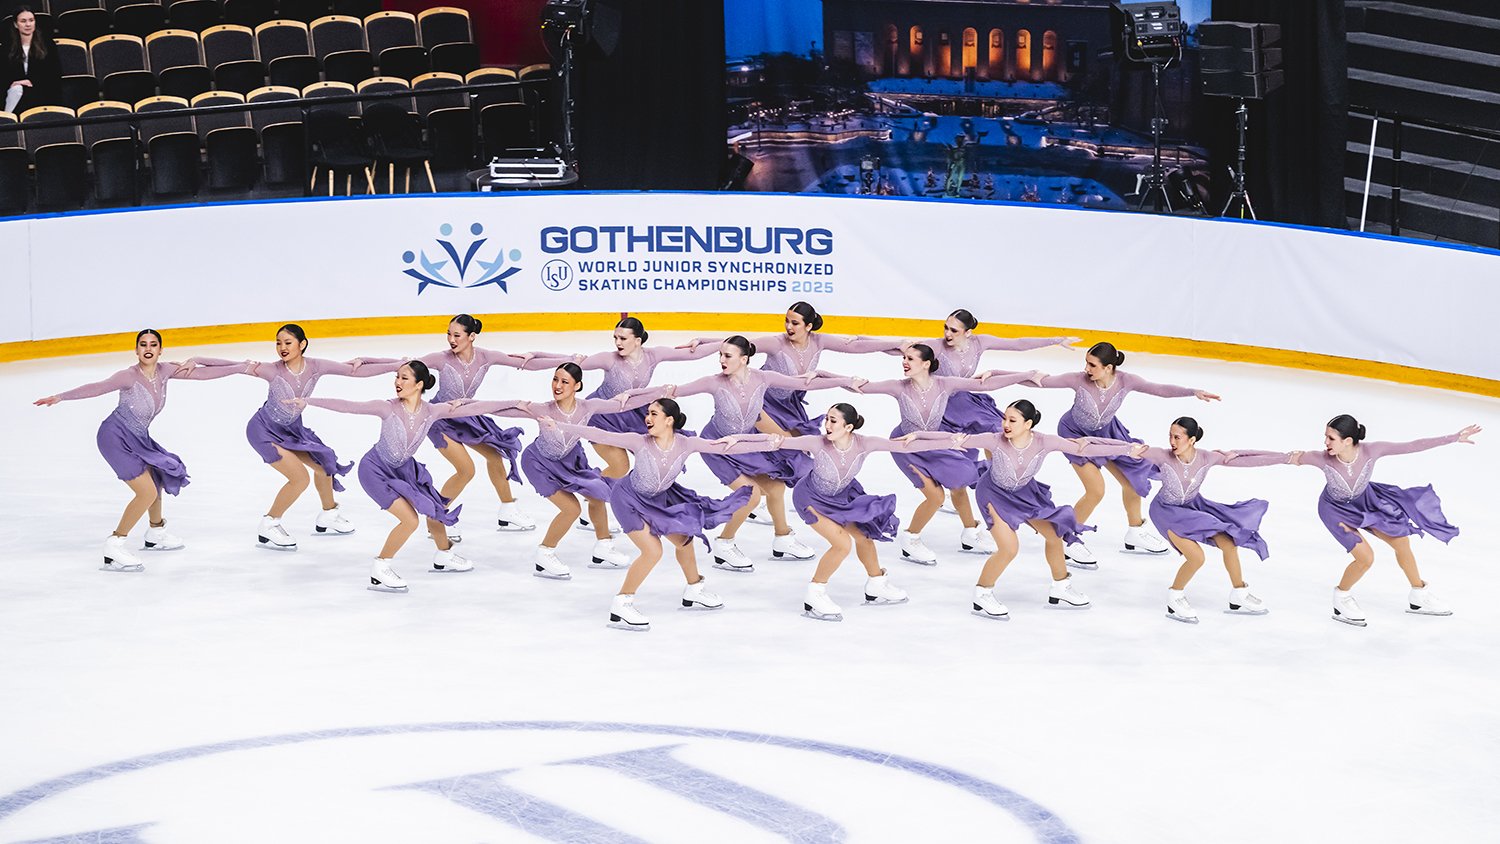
233	694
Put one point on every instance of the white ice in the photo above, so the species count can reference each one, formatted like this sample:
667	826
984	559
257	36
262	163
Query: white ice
1127	726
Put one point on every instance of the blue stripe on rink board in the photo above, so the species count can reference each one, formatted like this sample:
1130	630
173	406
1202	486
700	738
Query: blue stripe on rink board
473	195
1046	826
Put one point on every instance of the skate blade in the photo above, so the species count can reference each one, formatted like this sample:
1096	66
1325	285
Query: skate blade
1419	611
452	537
1182	618
597	563
1131	549
694	605
973	549
884	602
778	556
1074	564
982	614
1058	604
271	546
621	624
1352	622
381	587
723	566
547	575
126	569
149	547
1243	611
818	616
910	559
512	527
317	531
449	570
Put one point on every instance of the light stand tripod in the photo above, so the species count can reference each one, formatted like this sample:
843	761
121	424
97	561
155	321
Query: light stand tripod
1154	180
1240	194
569	153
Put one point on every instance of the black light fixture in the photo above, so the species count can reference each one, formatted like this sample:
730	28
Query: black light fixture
563	14
1152	34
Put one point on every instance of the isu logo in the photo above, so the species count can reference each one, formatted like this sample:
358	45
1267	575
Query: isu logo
557	274
461	266
508	780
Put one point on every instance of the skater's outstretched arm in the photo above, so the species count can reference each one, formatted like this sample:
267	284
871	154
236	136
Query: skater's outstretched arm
113	384
918	441
695	349
629	442
736	444
991	343
860	345
1136	384
1250	458
1384	449
363	408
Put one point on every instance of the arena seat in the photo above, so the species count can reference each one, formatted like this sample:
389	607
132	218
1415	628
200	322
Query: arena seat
229	52
171	145
176	57
139	19
113	150
229	142
438	90
120	66
194	15
58	156
339	43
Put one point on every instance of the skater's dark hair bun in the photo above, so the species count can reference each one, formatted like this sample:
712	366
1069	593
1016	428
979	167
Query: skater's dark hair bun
926	353
1189	426
574	371
670	410
297	333
1027	410
1348	427
809	315
746	347
635	327
472	325
965	319
851	416
420	372
1107	354
153	332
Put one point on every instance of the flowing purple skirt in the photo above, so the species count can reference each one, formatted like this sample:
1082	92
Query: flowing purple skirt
781	465
972	413
1392	510
1032	501
130	454
1139	472
569	473
624	422
873	515
479	430
410	481
265	434
1200	520
675	510
790	412
948	468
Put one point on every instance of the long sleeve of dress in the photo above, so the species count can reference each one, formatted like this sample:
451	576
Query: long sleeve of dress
884	388
860	345
113	384
1095	447
629	442
999	379
924	441
807	443
1250	459
743	444
1137	384
364	408
205	373
991	343
706	384
224	366
1067	380
369	367
1384	449
503	407
598	360
705	347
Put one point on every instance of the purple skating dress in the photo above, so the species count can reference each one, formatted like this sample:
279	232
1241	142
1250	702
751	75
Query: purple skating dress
388	471
977	413
554	461
832	490
1351	498
277	423
737	407
124	436
649	496
788	407
621	375
923	410
1093	415
1011	491
1179	509
459	380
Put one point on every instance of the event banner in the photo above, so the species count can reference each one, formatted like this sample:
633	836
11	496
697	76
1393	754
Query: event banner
1271	286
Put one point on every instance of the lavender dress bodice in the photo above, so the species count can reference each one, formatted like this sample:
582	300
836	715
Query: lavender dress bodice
283	383
1012	468
401	431
556	441
1181	481
1347	481
786	359
141	398
621	375
459	380
1094	407
922	410
963	363
656	468
737	404
834	469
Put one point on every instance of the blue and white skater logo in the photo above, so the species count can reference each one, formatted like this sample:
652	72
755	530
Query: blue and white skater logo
461	264
557	274
537	780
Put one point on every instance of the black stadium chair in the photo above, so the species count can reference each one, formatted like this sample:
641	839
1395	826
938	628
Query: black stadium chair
229	53
120	64
506	127
113	150
229	142
444	25
78	83
176	57
286	49
384	30
450	134
492	76
339	43
386	85
139	19
339	147
249	13
83	24
333	89
396	139
439	90
15	187
59	158
171	145
404	62
455	57
194	15
282	138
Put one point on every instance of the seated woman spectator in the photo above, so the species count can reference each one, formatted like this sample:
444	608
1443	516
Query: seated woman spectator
32	72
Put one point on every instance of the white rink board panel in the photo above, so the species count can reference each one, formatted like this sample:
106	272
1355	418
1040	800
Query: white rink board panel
1269	286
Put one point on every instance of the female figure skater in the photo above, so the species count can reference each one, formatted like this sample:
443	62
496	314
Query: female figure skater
1009	495
923	398
831	499
461	369
650	505
1351	502
126	444
630	366
739	397
394	479
556	467
958	352
797	352
277	434
1098	392
1191	521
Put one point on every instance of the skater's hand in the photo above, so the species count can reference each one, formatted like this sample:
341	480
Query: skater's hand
690	345
809	377
776	440
1203	395
1136	450
670	391
523	406
727	442
1295	458
252	367
47	402
1229	456
1036	378
298	402
526	357
906	438
1068	342
186	367
858	384
580	358
959	438
547	422
1467	434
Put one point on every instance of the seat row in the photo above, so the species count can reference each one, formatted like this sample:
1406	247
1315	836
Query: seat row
86	20
179	62
242	147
